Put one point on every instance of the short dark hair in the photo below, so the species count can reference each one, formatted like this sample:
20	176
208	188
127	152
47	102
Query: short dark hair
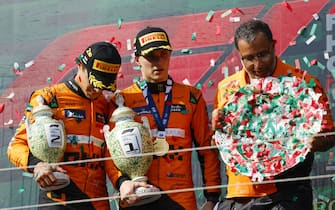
249	29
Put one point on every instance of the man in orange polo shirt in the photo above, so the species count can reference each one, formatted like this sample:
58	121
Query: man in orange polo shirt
254	42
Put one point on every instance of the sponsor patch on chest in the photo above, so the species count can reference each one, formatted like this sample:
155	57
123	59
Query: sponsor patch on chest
75	113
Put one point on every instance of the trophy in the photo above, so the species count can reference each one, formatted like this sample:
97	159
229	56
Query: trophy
47	140
128	142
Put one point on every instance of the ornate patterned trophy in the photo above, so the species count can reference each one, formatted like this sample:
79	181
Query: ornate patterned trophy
128	143
47	140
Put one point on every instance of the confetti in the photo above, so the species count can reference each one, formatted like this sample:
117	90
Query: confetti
237	10
234	19
2	107
316	16
186	82
226	13
135	79
119	22
313	29
310	40
194	35
129	46
292	43
287	5
225	71
29	175
28	64
10	122
209	16
61	67
320	65
302	30
265	126
326	55
120	75
186	51
136	68
212	62
314	62
199	86
297	63
210	83
10	96
49	80
305	59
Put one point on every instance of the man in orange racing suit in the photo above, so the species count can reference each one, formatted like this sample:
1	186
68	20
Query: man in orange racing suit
80	104
253	40
178	120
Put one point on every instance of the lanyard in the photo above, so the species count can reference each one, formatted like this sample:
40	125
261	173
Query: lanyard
161	122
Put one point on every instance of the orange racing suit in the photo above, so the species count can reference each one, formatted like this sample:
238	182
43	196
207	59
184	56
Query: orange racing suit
83	120
188	124
247	189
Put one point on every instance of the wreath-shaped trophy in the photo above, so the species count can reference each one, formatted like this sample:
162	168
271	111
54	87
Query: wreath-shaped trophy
128	142
47	140
265	127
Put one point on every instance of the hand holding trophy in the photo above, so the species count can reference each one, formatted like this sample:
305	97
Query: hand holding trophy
128	143
47	140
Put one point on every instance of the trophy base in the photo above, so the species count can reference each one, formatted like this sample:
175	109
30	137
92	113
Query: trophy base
146	196
62	181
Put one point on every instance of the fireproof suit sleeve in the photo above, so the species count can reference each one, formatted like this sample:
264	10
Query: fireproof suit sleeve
209	161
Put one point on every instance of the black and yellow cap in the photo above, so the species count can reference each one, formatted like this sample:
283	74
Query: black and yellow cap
149	39
102	61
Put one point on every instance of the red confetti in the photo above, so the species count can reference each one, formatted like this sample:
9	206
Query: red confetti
237	10
287	5
2	107
314	62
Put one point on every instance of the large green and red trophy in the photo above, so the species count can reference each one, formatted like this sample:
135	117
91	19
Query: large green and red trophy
131	147
47	140
266	126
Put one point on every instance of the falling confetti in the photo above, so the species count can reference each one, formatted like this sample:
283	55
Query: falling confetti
2	107
210	16
119	22
61	67
186	51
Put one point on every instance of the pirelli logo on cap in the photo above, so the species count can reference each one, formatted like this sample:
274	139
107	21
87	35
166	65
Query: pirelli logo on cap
105	67
153	37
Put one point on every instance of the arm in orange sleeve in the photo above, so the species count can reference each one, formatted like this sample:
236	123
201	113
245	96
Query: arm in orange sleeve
208	158
323	143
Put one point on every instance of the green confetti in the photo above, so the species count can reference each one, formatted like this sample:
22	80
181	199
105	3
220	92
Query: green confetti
119	22
306	61
321	66
186	51
135	79
199	86
225	71
49	80
61	67
210	15
313	29
21	190
29	175
194	35
137	68
210	83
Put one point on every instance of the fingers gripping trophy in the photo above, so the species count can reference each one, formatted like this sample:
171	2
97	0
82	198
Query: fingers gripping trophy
128	143
47	140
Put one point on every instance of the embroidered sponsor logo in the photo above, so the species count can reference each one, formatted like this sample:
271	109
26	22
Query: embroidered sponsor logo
74	113
100	118
152	37
178	107
105	67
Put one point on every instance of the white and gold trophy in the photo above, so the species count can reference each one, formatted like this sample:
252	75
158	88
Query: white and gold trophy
47	140
128	142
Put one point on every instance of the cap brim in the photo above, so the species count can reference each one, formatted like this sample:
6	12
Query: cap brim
164	47
103	81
